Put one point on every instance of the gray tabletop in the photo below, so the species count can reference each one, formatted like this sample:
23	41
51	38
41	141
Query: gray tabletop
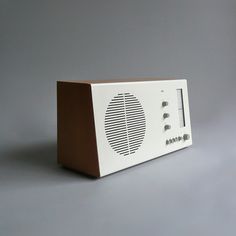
188	192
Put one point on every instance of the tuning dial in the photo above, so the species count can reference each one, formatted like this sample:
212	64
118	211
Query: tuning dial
186	137
166	127
166	115
165	103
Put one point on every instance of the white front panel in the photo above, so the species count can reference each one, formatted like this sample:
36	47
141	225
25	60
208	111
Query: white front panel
129	122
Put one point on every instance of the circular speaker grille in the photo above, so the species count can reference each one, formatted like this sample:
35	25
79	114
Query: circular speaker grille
125	124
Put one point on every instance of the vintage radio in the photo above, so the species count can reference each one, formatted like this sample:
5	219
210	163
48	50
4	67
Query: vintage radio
107	126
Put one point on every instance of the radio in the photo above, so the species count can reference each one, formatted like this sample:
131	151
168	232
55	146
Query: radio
106	126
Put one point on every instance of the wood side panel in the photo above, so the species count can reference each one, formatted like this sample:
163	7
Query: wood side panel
77	148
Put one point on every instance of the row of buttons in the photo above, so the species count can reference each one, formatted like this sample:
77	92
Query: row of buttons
177	139
173	140
166	115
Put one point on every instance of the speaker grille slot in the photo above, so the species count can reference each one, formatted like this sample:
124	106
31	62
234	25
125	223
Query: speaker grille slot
125	124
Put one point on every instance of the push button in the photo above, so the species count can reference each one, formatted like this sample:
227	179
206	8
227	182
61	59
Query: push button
166	115
164	103
186	137
166	127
